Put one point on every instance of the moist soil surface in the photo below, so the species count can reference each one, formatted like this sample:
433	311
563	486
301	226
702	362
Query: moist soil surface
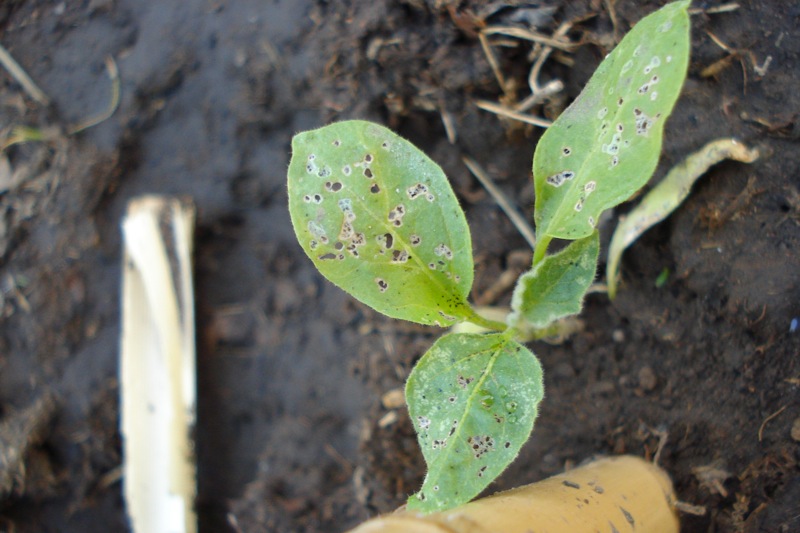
697	360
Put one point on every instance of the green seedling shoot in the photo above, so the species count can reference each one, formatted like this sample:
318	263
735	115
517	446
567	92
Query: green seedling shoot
379	219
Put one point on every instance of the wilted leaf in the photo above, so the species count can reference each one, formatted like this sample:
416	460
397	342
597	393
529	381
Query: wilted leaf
665	197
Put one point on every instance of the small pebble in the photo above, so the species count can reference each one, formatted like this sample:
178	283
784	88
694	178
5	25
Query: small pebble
796	430
388	419
393	399
618	336
647	379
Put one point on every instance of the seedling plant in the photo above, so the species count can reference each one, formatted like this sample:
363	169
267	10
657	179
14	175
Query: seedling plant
379	219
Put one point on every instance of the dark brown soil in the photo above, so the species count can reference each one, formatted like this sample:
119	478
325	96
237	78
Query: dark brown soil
292	434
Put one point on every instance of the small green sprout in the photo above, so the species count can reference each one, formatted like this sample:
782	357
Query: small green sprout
379	219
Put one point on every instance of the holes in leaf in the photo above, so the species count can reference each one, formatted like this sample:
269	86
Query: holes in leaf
333	186
374	189
463	382
396	215
442	250
312	198
589	187
324	172
415	240
368	158
566	151
368	173
424	422
347	232
316	229
627	66
337	143
655	62
346	205
557	180
382	285
415	191
347	170
643	122
453	427
399	256
480	445
481	470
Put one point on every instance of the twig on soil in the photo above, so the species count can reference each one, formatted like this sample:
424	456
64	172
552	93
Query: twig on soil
22	77
449	125
766	420
511	212
528	35
688	508
113	75
492	59
724	8
503	111
733	53
612	13
539	93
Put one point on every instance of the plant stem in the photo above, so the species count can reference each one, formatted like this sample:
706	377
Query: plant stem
541	249
483	322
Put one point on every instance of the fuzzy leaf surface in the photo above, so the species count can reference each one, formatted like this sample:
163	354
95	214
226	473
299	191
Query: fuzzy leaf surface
606	144
379	219
473	400
555	287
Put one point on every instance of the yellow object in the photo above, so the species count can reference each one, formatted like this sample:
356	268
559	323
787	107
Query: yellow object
613	495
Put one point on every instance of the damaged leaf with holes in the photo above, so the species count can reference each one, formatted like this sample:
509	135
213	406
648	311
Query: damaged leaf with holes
555	287
605	146
379	219
473	400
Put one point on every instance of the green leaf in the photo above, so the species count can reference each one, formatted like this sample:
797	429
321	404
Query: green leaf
605	145
378	218
556	286
473	400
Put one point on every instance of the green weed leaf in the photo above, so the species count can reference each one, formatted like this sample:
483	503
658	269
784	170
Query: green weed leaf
473	400
606	145
378	218
556	286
